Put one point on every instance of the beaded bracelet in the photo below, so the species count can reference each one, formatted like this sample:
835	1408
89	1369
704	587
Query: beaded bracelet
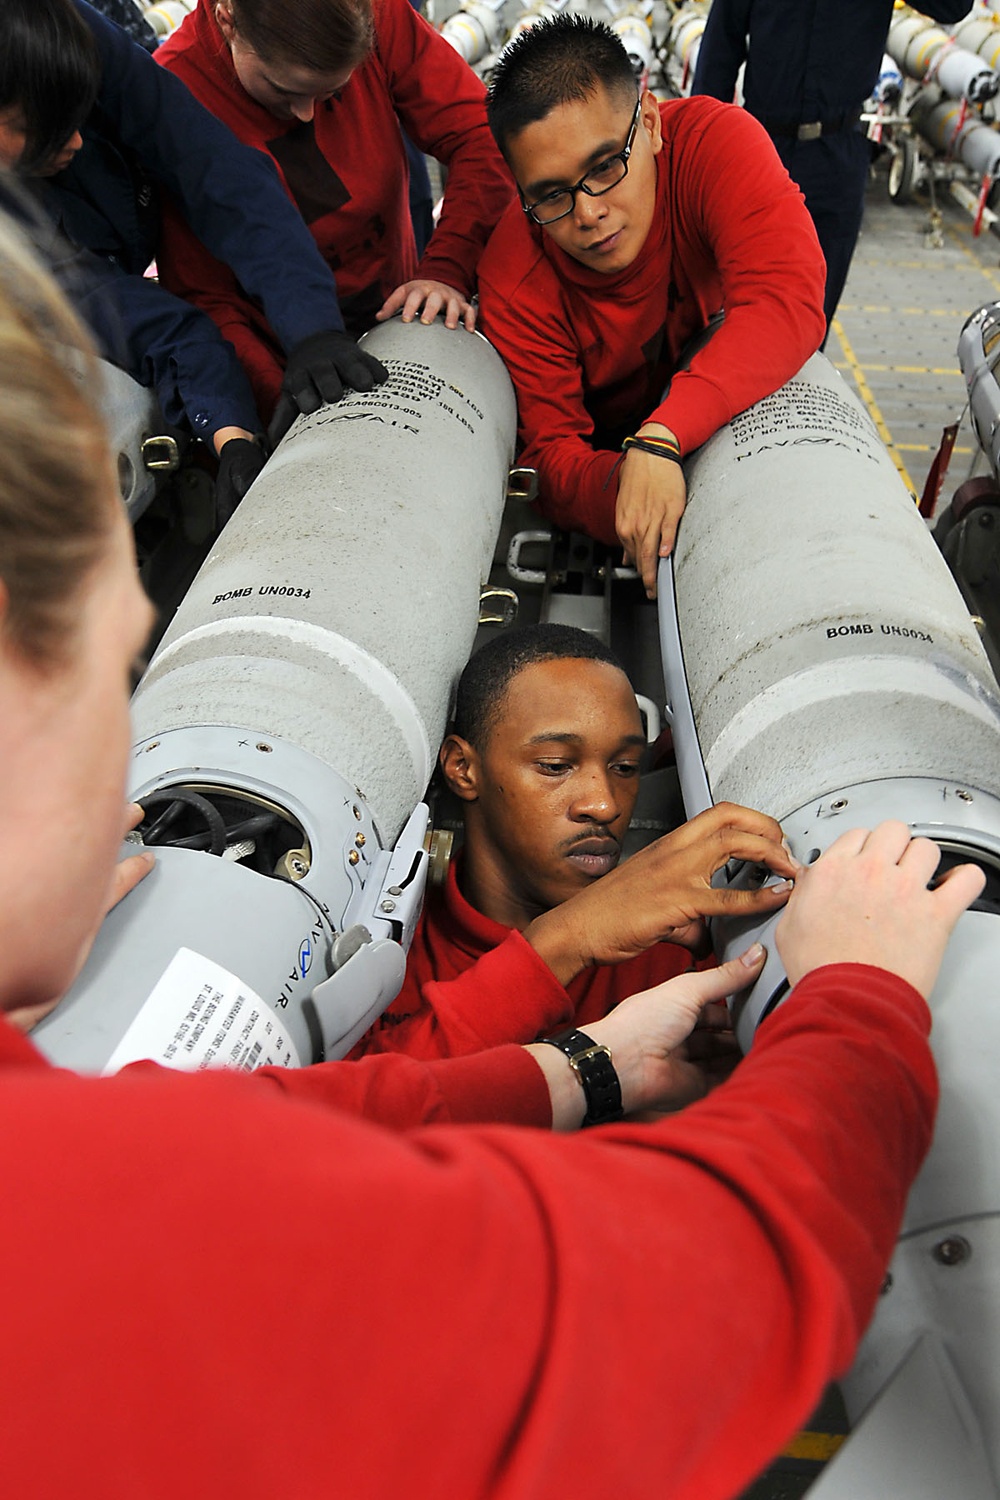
660	447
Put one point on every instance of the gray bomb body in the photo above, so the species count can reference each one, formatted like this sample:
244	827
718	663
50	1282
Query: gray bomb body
339	604
821	611
309	671
821	666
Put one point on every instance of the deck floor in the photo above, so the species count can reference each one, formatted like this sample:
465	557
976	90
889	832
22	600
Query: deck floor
895	336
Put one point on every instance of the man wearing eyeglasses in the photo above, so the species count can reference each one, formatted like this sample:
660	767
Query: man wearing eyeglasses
638	223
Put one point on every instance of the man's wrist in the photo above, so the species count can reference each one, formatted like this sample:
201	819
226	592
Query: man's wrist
566	1092
591	1061
557	945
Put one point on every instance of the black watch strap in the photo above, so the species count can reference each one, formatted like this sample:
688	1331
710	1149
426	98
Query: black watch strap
593	1066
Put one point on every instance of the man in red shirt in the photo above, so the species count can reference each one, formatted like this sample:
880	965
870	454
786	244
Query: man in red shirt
536	926
638	223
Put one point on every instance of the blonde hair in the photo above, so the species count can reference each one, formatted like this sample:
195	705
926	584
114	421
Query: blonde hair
56	503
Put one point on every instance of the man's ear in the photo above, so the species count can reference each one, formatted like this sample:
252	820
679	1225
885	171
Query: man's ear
460	767
650	117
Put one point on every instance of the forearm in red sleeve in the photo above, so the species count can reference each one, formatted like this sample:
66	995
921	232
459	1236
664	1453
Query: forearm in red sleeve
577	485
192	272
442	105
508	995
772	272
501	1086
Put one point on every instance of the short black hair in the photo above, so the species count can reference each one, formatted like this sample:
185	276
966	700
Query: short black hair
50	70
482	687
557	61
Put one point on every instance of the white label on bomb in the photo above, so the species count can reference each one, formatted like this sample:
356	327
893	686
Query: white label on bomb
199	1015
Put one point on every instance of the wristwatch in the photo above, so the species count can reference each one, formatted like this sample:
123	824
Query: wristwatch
593	1066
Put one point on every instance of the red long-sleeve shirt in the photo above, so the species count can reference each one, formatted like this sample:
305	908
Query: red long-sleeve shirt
214	1289
590	354
346	170
472	983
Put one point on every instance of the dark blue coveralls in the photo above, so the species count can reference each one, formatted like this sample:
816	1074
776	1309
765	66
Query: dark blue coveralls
126	14
810	66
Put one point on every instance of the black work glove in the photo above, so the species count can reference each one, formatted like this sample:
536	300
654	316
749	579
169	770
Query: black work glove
318	369
239	464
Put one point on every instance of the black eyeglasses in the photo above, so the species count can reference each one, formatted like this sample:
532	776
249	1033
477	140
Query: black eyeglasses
600	179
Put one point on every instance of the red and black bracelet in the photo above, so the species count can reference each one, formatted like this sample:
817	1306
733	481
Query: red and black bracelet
660	447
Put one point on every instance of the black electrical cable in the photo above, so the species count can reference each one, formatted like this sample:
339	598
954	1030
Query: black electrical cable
249	828
178	794
169	815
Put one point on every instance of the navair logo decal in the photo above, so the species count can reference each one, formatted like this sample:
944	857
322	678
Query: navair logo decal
303	960
305	957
